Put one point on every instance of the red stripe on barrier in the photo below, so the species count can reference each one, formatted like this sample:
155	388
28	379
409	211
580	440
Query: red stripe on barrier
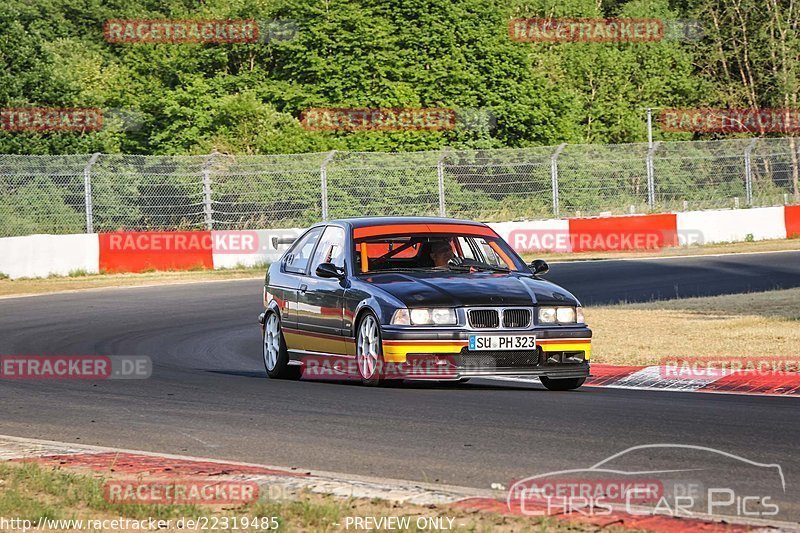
752	383
774	384
791	215
167	250
644	232
608	374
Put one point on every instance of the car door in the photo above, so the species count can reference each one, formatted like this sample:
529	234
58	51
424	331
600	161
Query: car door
320	300
293	271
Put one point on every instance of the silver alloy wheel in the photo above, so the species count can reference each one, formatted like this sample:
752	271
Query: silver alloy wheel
272	342
367	347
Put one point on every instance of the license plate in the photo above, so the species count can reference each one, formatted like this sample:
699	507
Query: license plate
502	342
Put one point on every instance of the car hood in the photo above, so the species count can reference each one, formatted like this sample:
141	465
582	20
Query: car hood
449	289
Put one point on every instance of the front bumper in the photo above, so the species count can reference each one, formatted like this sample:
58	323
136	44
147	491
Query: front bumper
562	352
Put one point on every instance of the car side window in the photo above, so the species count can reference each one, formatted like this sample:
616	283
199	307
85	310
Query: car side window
330	249
491	256
298	256
466	249
480	250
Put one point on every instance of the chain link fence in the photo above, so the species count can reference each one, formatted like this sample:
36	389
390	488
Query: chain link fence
101	192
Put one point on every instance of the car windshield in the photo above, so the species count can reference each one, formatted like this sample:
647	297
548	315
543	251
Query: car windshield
456	251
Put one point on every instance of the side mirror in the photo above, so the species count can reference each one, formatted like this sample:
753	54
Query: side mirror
329	270
539	266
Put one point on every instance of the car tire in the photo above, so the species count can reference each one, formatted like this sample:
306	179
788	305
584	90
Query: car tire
274	352
562	384
369	351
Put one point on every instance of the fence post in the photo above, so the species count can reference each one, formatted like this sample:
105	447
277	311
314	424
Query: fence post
554	175
651	181
440	176
209	214
87	192
323	176
748	173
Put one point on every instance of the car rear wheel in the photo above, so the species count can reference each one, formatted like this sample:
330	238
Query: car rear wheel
562	384
276	357
369	351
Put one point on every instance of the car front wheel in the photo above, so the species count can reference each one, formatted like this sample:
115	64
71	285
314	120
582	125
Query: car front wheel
369	351
276	357
562	384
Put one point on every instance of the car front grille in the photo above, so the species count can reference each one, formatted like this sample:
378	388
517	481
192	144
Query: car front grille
511	318
516	318
484	318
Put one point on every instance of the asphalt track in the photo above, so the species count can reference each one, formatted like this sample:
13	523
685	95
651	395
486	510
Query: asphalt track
208	395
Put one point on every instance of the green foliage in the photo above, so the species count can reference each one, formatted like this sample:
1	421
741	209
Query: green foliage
246	99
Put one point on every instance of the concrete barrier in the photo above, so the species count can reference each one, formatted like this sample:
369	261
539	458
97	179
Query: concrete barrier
44	255
734	225
39	256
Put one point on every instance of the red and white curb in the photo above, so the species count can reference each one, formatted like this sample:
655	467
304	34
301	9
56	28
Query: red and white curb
664	378
273	480
285	483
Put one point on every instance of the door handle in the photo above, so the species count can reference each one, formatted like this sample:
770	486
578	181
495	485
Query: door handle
303	287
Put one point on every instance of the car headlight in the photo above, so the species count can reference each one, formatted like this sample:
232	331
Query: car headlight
580	317
560	315
565	315
425	317
547	315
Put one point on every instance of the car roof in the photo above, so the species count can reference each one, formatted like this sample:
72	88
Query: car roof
365	222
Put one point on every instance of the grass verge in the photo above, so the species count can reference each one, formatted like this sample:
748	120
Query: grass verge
29	491
763	324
